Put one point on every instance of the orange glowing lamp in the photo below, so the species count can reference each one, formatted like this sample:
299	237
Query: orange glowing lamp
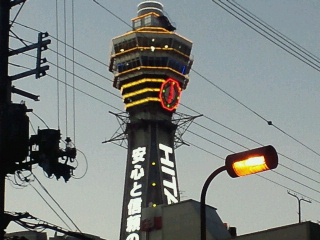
252	161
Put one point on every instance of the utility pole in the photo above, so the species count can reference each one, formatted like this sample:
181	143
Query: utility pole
299	203
14	122
5	100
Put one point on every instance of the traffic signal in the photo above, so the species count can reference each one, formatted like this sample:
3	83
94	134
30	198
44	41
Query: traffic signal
251	161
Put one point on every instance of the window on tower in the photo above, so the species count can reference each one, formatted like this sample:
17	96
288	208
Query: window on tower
156	42
176	65
181	47
125	45
137	23
127	65
148	20
154	61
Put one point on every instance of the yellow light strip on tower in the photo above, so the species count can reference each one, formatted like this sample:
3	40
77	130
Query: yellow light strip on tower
142	30
141	81
148	67
140	92
163	30
159	29
149	99
149	48
144	15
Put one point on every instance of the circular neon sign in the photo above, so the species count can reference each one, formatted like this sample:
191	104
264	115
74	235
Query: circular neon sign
170	94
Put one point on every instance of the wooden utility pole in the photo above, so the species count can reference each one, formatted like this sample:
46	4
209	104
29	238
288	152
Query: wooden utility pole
5	101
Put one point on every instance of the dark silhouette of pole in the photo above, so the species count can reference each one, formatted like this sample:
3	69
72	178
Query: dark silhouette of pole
299	203
5	100
203	222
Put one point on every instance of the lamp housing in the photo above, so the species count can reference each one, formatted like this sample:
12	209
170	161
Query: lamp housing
251	161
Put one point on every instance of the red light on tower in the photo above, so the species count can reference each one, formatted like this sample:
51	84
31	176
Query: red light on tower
170	94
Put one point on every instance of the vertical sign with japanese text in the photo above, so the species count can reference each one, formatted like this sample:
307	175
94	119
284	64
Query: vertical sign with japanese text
135	202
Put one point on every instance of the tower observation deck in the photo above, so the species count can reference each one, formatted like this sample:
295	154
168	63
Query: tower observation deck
150	64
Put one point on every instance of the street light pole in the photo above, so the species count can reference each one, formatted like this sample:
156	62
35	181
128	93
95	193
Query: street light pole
237	165
203	222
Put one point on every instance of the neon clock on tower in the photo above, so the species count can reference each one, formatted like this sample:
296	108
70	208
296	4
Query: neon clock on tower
170	94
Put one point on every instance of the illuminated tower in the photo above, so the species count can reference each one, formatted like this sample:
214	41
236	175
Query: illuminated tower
150	66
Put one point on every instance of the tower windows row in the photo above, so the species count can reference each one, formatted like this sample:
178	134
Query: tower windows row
152	42
152	62
125	45
124	66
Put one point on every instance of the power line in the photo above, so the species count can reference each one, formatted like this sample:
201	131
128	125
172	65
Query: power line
283	186
85	93
267	35
56	203
65	65
229	95
222	125
275	31
42	197
57	58
60	41
85	80
99	4
73	71
208	140
50	206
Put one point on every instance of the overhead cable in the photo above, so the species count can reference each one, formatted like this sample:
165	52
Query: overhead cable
257	28
56	203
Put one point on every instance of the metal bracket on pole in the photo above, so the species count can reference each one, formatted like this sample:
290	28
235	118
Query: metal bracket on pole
41	45
24	93
29	73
